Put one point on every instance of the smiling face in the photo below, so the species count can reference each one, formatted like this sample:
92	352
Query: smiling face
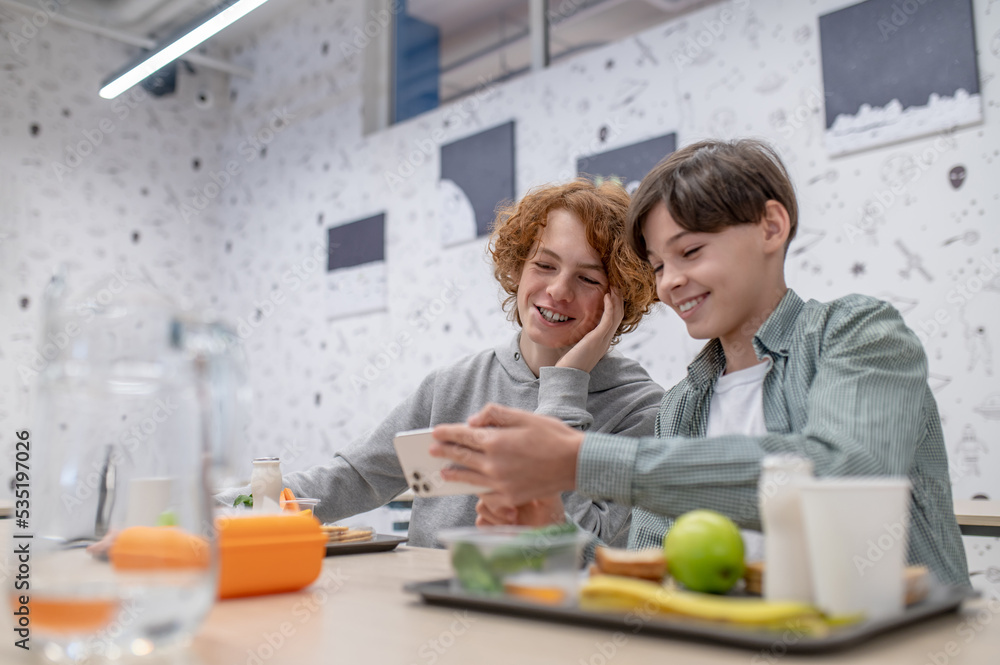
721	284
560	293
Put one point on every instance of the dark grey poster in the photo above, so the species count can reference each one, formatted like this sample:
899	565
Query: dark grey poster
356	243
477	174
628	164
356	263
897	69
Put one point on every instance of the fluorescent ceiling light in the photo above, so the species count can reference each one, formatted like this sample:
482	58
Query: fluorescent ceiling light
177	45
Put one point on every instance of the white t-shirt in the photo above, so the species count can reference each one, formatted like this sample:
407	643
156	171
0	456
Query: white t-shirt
738	408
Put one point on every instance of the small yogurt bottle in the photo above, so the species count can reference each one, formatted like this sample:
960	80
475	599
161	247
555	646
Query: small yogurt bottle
787	572
266	484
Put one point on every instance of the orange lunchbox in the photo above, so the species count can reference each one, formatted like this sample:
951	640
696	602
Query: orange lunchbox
157	548
268	553
258	554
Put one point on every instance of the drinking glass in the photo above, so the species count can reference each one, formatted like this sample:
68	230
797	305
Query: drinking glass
856	531
130	417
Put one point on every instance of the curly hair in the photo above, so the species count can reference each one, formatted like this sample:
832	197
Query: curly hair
602	209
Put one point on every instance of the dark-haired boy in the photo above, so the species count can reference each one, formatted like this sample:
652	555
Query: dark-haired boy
843	383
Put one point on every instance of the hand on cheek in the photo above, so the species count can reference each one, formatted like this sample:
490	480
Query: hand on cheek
586	353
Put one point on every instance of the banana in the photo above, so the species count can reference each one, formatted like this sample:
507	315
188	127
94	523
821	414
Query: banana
613	593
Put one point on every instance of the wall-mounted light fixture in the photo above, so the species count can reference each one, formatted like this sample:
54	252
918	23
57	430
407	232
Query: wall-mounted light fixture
179	43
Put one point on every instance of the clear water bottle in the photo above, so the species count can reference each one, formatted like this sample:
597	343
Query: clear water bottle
787	572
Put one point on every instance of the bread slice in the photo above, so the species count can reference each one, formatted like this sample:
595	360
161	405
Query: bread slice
754	577
648	564
916	583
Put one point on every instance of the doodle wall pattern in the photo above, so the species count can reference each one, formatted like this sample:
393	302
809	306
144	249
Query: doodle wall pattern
93	186
914	222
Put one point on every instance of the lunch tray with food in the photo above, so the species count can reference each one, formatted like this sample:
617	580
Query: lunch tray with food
801	637
531	573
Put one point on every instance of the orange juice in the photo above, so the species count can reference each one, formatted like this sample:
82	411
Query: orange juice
55	615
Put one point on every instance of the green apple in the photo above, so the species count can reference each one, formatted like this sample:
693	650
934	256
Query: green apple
704	551
167	518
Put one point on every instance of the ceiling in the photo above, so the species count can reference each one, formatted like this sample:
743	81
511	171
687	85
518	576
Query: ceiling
487	40
158	18
479	39
455	18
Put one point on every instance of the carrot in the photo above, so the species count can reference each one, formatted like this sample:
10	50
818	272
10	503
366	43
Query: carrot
289	498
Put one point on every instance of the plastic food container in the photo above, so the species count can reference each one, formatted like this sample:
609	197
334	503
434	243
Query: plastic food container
262	554
298	505
538	564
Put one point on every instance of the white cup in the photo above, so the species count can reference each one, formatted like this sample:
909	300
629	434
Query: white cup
856	532
147	499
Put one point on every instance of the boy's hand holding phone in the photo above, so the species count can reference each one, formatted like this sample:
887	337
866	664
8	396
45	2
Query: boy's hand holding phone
423	472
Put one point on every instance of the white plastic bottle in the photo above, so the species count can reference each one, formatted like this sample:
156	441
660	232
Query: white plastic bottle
787	571
266	484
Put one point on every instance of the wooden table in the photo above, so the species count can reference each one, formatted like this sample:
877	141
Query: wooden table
357	612
978	518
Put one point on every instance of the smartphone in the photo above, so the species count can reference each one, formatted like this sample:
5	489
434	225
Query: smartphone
423	472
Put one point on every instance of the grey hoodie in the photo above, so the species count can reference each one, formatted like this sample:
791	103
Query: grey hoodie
616	397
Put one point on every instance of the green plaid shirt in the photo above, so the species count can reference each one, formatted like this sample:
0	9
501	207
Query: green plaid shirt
848	389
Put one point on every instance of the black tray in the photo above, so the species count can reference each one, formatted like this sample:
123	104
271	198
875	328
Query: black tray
939	600
380	542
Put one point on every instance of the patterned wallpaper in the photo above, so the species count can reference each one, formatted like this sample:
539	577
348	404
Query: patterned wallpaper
91	185
229	206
